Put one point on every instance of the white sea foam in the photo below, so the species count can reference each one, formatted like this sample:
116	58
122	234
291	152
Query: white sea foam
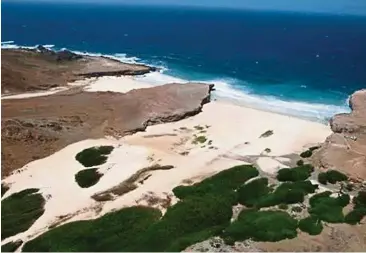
226	90
7	42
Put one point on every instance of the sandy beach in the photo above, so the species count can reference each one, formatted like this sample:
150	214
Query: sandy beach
229	135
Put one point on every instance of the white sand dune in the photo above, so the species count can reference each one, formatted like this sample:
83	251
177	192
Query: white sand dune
233	132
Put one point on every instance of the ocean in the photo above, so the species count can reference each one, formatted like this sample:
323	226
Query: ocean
298	64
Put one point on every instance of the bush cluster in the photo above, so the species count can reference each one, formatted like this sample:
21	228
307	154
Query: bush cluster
257	193
359	209
113	232
261	226
331	176
19	211
299	173
327	208
311	225
11	246
94	156
88	177
223	182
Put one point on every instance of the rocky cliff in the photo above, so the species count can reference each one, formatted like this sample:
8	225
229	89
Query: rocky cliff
41	69
345	149
34	128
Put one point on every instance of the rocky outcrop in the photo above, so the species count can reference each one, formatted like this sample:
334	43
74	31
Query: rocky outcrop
345	149
34	128
56	68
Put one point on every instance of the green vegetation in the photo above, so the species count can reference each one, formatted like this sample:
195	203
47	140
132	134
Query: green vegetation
299	173
306	154
331	176
257	193
250	192
94	156
189	221
11	246
261	226
355	216
311	225
300	163
199	139
360	200
309	152
359	209
221	183
19	211
4	189
114	232
88	177
328	209
322	178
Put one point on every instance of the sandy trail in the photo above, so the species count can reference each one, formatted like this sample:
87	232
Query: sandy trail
230	133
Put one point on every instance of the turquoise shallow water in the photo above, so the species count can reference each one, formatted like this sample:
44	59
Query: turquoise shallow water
293	63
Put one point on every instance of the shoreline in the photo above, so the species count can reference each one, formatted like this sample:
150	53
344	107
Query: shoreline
232	136
300	109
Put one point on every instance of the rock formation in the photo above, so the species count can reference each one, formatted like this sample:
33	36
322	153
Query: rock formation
345	149
24	70
34	128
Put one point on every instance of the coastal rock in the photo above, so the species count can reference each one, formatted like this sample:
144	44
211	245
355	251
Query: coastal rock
34	128
345	149
52	69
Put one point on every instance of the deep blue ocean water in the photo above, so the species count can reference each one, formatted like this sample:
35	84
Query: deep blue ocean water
294	63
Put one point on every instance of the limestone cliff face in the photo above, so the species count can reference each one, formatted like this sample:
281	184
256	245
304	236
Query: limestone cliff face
345	149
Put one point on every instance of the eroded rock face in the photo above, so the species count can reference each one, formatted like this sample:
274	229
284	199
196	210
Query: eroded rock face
50	69
345	150
34	128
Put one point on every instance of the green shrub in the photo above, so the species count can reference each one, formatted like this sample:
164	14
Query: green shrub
300	163
306	154
113	232
4	189
94	156
286	193
223	182
189	221
311	225
199	139
331	176
322	178
283	206
299	173
334	176
19	211
11	246
326	208
249	193
261	226
355	216
314	148
360	200
88	177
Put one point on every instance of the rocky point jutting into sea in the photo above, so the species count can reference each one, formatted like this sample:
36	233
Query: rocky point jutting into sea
164	168
345	149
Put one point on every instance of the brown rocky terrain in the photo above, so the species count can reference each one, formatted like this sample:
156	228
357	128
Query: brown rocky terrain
345	149
24	70
34	128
